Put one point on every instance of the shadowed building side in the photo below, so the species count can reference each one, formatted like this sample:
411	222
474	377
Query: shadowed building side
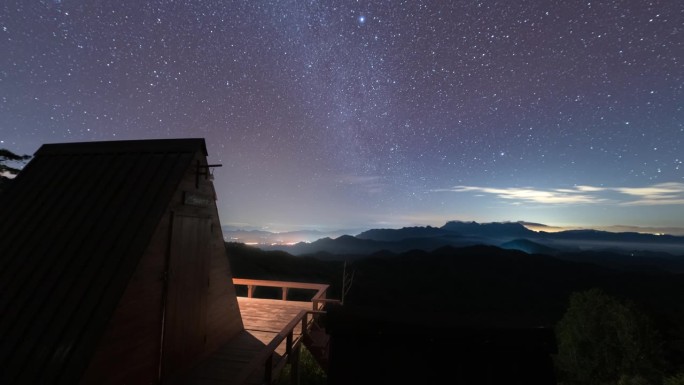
113	268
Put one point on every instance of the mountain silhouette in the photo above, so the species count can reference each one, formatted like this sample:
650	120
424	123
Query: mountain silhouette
511	235
393	235
351	245
491	230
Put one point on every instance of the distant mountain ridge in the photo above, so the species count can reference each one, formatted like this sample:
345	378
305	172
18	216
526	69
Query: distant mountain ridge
511	235
492	229
253	236
403	233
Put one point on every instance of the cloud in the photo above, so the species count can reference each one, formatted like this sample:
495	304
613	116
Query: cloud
590	188
531	195
660	194
671	193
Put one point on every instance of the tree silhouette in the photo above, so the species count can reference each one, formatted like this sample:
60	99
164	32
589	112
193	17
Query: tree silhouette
7	156
602	340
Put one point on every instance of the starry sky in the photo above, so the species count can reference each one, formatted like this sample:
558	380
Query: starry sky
359	114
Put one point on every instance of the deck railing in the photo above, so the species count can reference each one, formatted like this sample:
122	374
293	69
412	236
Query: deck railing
265	358
318	299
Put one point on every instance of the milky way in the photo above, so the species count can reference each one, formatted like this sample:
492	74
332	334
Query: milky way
336	114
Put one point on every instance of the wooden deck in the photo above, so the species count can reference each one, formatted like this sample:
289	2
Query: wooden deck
273	328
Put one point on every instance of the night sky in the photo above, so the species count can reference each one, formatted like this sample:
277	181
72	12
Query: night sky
359	114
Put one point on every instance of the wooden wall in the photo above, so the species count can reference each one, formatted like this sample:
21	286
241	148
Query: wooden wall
223	318
129	351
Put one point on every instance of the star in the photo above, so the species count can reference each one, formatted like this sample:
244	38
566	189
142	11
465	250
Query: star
295	96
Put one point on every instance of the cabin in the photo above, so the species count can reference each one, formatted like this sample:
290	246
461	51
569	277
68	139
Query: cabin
113	270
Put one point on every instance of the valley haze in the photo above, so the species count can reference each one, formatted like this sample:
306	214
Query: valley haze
621	239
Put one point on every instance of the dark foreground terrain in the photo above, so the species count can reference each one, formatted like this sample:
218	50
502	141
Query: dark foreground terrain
479	287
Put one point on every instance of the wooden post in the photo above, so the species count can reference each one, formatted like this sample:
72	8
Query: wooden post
288	345
305	323
284	294
250	291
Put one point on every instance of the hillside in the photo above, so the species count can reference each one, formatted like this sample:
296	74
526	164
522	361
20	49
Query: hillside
479	285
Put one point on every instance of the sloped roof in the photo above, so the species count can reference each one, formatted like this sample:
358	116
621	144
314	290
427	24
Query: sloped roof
73	226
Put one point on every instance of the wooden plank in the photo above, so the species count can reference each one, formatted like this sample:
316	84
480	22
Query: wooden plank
268	314
264	319
185	318
223	319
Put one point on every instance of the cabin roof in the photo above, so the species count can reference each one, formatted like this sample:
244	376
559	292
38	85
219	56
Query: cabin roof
73	226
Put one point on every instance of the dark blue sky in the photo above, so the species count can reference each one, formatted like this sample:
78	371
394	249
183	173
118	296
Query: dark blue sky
341	114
